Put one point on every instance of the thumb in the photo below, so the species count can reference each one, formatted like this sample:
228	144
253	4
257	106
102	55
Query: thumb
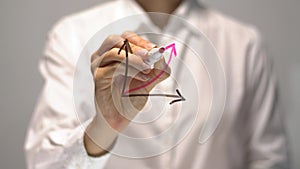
160	72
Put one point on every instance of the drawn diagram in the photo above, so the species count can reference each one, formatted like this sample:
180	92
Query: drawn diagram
178	96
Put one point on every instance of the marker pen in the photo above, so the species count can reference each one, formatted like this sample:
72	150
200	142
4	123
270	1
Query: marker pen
155	55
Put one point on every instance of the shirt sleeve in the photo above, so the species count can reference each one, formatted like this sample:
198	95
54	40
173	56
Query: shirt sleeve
55	134
267	140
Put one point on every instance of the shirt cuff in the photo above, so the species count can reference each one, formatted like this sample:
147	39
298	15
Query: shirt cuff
78	155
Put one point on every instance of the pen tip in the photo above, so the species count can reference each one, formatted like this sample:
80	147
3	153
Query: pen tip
161	50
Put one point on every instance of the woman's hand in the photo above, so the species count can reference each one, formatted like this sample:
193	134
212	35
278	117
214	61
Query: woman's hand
108	66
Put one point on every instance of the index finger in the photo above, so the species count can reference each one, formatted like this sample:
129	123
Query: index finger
138	40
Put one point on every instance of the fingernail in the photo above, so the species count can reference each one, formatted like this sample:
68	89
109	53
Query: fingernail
161	65
151	45
145	66
144	77
146	71
142	52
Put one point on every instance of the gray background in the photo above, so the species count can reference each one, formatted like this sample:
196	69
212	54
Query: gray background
24	26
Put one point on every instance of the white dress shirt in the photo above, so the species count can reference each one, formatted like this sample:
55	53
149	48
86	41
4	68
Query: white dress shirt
249	135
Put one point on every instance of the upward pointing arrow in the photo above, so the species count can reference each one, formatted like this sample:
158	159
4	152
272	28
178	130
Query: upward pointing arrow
127	47
173	49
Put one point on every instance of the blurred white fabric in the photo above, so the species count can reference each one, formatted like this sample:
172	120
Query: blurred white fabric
250	134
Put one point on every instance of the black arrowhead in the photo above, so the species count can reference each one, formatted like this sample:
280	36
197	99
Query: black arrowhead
127	47
178	100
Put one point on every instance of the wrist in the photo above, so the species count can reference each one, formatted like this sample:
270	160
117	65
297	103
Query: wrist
99	137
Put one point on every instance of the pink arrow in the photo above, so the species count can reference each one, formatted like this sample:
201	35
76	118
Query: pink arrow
173	51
